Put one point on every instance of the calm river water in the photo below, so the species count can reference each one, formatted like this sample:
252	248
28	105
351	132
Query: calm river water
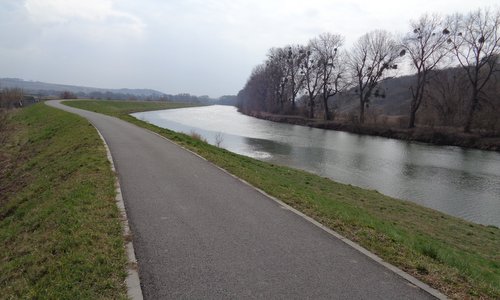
461	182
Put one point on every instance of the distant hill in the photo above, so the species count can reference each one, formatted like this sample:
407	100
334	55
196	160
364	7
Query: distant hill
37	88
394	97
44	88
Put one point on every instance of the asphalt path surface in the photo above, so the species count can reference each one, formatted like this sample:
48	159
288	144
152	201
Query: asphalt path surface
200	233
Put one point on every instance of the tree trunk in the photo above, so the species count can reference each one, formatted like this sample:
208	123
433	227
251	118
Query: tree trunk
293	92
361	111
327	111
311	109
413	113
416	98
470	113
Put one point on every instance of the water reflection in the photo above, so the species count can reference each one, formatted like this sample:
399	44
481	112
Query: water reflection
276	148
461	182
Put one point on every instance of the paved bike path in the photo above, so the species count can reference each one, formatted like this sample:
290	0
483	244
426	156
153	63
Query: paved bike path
200	233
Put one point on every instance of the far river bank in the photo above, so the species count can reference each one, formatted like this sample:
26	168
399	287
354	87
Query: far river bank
441	136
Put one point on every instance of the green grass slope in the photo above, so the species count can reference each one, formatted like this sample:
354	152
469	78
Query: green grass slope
60	230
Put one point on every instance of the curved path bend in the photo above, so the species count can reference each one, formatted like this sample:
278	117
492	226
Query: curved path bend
200	233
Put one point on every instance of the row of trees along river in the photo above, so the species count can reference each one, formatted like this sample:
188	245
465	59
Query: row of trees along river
454	63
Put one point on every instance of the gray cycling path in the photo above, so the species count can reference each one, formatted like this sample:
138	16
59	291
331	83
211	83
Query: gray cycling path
200	233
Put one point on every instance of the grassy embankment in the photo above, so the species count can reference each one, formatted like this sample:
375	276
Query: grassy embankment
459	258
60	230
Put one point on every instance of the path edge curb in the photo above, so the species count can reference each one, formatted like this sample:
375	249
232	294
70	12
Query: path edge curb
132	280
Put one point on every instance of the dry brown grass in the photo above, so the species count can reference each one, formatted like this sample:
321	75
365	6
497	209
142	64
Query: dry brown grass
195	135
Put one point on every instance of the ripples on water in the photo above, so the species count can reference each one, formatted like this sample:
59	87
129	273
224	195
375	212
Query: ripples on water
461	182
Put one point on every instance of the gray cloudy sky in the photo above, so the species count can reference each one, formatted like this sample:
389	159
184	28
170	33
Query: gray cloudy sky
203	47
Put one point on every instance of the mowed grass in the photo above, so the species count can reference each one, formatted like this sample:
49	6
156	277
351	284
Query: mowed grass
459	258
60	230
118	108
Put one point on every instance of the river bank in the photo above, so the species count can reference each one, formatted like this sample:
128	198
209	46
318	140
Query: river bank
442	137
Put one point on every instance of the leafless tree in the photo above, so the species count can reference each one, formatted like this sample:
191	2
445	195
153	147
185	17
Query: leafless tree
312	75
475	41
219	138
425	46
446	95
371	57
295	57
331	67
254	95
11	97
277	70
68	95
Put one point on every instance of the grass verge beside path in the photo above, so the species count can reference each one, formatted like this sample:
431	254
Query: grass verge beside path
60	229
459	258
119	108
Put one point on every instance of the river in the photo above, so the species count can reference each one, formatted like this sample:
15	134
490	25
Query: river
461	182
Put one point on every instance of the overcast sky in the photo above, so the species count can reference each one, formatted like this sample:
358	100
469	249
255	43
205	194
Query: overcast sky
203	47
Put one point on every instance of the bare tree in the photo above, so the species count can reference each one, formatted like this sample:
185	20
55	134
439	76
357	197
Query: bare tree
425	46
254	96
476	44
331	68
219	138
68	95
446	95
295	57
371	57
312	73
277	70
11	97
